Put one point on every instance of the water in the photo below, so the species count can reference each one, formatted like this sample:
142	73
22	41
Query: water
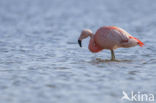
41	62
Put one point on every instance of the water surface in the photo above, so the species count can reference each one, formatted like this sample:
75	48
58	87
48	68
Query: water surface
41	62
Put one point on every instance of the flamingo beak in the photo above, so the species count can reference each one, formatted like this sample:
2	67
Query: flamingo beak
79	41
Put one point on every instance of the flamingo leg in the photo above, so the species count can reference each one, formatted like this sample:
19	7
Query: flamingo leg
112	55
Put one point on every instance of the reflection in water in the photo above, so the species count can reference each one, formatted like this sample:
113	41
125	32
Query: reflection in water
99	60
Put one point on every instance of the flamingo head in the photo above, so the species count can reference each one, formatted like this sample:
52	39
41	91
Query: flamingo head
84	34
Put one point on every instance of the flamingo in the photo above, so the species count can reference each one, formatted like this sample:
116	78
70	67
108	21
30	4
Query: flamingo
108	37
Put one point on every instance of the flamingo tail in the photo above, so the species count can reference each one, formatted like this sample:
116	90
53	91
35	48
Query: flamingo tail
139	42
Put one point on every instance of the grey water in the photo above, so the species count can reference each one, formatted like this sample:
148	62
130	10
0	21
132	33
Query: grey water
41	62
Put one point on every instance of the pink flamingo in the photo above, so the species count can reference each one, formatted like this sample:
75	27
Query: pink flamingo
109	37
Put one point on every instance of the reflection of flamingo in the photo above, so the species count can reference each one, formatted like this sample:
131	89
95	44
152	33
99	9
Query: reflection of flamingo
125	96
109	37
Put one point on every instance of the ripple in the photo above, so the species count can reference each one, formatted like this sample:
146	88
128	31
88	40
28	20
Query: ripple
134	72
41	62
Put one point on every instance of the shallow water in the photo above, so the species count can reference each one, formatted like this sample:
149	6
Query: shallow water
41	61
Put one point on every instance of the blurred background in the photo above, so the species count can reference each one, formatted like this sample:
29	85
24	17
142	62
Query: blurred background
41	62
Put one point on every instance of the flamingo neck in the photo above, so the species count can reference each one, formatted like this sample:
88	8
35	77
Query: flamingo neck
91	35
93	47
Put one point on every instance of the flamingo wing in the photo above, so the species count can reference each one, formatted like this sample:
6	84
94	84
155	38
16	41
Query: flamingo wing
122	33
126	37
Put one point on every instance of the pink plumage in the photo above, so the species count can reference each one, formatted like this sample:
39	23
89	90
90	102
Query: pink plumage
109	37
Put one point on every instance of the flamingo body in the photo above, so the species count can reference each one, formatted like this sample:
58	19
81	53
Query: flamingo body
113	37
109	37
